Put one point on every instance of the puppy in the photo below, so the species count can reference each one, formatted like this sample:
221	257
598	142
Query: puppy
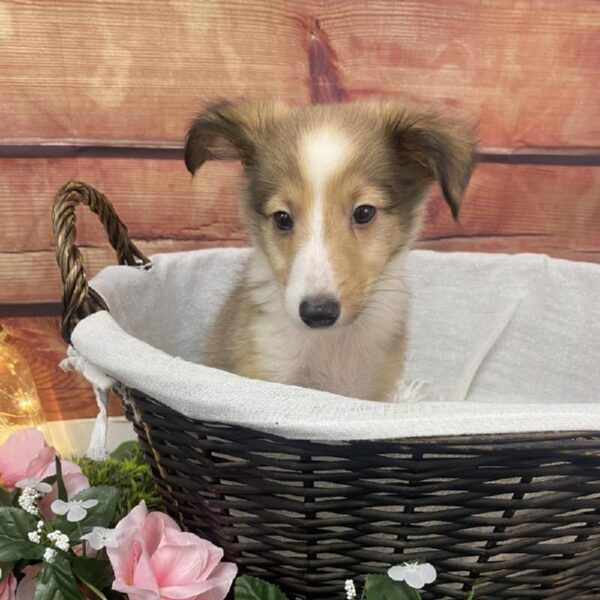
334	198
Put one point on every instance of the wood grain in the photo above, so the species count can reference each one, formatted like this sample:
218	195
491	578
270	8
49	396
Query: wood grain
555	210
158	200
123	71
63	394
138	71
524	70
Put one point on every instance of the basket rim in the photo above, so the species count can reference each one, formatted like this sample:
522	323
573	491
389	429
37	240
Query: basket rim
517	441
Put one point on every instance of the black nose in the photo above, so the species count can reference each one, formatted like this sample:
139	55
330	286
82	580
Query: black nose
319	312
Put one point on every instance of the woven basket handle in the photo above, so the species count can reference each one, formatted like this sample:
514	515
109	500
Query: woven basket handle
79	300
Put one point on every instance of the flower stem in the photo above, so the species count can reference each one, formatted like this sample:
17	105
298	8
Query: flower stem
83	545
94	589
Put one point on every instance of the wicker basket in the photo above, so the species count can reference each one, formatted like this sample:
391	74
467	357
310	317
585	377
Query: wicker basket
516	516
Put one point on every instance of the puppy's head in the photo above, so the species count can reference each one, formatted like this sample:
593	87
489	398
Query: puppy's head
334	193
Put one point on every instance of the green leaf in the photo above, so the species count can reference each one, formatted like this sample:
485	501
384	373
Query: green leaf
60	482
15	524
92	571
56	581
6	568
6	498
98	516
381	587
125	451
252	588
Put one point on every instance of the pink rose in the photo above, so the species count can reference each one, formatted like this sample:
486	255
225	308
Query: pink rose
23	455
8	587
155	560
27	585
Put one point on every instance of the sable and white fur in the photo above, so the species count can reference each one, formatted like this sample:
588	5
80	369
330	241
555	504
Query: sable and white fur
318	165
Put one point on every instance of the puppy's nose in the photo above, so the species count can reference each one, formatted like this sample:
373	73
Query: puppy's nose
319	312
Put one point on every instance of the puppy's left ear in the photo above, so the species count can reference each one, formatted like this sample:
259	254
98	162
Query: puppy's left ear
442	150
228	130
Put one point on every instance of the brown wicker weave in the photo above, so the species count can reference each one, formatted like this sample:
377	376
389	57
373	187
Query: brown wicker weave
516	516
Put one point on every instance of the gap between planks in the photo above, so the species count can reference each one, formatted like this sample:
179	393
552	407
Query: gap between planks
567	156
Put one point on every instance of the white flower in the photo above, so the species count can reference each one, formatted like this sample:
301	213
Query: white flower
100	537
28	500
60	540
50	555
34	537
34	484
76	510
350	589
414	574
40	525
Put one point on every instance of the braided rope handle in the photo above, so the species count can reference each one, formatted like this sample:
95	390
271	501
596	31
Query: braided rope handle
79	300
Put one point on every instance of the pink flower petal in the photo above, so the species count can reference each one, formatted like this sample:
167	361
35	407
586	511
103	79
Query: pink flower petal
134	521
8	587
143	574
133	593
216	588
210	554
155	560
23	454
154	529
123	558
26	589
177	564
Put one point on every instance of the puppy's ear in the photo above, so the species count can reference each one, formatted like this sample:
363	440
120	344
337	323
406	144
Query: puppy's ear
228	131
437	148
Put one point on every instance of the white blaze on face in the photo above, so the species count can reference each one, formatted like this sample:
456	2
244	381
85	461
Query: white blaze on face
322	153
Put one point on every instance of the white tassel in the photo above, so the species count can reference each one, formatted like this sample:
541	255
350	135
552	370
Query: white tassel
101	383
97	448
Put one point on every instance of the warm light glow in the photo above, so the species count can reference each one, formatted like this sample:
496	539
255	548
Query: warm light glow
27	404
20	405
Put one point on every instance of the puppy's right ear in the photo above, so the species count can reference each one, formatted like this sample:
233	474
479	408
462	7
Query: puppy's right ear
228	131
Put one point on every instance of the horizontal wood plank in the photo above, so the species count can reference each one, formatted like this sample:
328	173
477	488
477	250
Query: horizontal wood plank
549	209
64	394
525	71
129	72
138	71
158	200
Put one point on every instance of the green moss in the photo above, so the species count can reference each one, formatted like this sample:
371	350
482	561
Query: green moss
126	470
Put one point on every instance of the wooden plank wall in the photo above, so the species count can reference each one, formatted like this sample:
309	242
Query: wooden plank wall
102	91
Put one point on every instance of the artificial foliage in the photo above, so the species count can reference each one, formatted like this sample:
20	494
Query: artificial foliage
126	470
61	551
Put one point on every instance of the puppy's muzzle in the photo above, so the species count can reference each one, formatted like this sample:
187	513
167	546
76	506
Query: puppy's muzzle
319	312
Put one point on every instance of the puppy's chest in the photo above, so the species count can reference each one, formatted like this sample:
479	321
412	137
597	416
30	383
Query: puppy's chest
344	362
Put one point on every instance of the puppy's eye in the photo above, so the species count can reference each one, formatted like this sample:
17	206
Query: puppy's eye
283	221
363	214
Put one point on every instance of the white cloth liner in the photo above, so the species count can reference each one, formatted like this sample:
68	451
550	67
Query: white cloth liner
509	344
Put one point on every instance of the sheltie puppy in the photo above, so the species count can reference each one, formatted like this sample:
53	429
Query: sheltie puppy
334	198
